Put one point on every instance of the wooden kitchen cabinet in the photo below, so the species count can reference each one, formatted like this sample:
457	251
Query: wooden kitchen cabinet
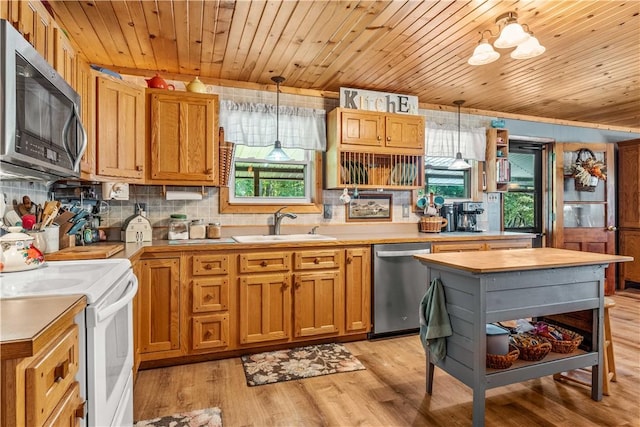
37	26
158	307
264	280
39	386
210	312
317	293
629	210
374	150
183	138
86	88
497	168
487	245
120	130
64	58
357	290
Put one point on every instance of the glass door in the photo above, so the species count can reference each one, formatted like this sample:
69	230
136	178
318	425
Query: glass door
585	214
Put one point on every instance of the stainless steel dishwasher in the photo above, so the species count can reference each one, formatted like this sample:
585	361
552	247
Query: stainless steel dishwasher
399	283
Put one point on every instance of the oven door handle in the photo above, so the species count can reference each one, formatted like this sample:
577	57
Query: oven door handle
105	313
395	254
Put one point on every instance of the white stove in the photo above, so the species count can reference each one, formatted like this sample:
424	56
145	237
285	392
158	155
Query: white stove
106	379
90	277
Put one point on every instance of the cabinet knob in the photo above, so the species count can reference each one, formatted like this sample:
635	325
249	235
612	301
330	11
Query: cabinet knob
612	228
60	372
139	168
80	410
263	264
207	267
209	171
379	138
297	285
316	261
349	260
388	138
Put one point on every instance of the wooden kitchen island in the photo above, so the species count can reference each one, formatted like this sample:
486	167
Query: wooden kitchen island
486	287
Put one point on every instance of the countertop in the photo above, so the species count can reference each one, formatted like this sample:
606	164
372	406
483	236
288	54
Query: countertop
518	259
135	250
28	324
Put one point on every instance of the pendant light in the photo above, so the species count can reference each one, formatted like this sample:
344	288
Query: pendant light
277	154
459	163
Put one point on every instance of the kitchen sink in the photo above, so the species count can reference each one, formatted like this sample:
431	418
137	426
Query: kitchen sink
269	238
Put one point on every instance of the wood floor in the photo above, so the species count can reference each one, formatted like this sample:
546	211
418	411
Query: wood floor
391	391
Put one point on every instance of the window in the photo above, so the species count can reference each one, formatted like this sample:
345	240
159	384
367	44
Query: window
255	180
444	182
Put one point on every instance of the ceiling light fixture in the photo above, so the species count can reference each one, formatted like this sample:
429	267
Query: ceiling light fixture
277	154
511	34
459	163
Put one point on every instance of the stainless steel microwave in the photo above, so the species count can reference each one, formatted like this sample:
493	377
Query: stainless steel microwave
40	128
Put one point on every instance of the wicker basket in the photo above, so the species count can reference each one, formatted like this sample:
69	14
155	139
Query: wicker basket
531	352
565	346
432	224
503	361
226	149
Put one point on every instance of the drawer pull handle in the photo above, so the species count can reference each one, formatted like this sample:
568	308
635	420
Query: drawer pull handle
80	410
61	371
263	264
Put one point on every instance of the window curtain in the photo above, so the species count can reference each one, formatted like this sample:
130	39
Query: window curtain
255	125
442	141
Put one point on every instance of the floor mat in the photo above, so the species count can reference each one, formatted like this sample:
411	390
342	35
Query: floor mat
210	417
297	363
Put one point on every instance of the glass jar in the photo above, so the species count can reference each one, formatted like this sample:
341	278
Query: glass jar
197	230
178	227
213	230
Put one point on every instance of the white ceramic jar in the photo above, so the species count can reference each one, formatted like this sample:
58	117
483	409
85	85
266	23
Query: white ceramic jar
18	252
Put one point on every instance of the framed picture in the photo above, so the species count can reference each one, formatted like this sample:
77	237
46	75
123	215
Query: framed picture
370	207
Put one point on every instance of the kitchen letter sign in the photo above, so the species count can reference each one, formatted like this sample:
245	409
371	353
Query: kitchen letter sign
383	102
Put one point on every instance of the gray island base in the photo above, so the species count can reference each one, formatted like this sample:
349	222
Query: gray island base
503	285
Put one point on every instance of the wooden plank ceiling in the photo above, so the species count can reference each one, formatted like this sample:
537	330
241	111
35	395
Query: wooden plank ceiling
590	71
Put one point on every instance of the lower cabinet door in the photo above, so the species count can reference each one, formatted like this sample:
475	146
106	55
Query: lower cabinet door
318	303
265	308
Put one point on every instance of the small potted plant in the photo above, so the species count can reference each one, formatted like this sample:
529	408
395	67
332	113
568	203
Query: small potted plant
587	170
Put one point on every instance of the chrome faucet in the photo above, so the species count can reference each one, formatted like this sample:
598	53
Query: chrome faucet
277	219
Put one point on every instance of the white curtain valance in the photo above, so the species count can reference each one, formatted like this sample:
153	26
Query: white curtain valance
255	125
442	141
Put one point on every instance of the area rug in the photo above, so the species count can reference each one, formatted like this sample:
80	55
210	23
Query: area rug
210	417
297	363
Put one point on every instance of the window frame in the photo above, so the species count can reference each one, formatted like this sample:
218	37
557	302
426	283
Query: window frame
227	205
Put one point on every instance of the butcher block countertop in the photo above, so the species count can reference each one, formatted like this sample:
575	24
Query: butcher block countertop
518	259
28	324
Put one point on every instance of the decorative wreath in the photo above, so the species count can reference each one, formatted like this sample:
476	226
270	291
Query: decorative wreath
587	167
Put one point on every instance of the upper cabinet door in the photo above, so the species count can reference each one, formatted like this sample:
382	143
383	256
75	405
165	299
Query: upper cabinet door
120	122
585	217
36	25
405	132
183	135
362	128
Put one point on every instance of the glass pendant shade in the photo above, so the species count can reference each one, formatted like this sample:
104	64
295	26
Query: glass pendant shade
277	154
529	49
511	36
483	54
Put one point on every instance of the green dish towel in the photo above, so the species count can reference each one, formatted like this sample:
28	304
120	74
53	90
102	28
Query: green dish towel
435	325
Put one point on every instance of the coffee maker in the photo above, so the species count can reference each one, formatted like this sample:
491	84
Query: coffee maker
466	215
447	211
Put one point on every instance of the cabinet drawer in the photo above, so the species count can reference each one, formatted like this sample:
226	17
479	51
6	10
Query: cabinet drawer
205	265
50	375
313	260
457	247
210	294
261	262
210	332
509	244
69	411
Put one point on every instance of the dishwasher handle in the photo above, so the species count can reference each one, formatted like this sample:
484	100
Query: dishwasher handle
395	254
